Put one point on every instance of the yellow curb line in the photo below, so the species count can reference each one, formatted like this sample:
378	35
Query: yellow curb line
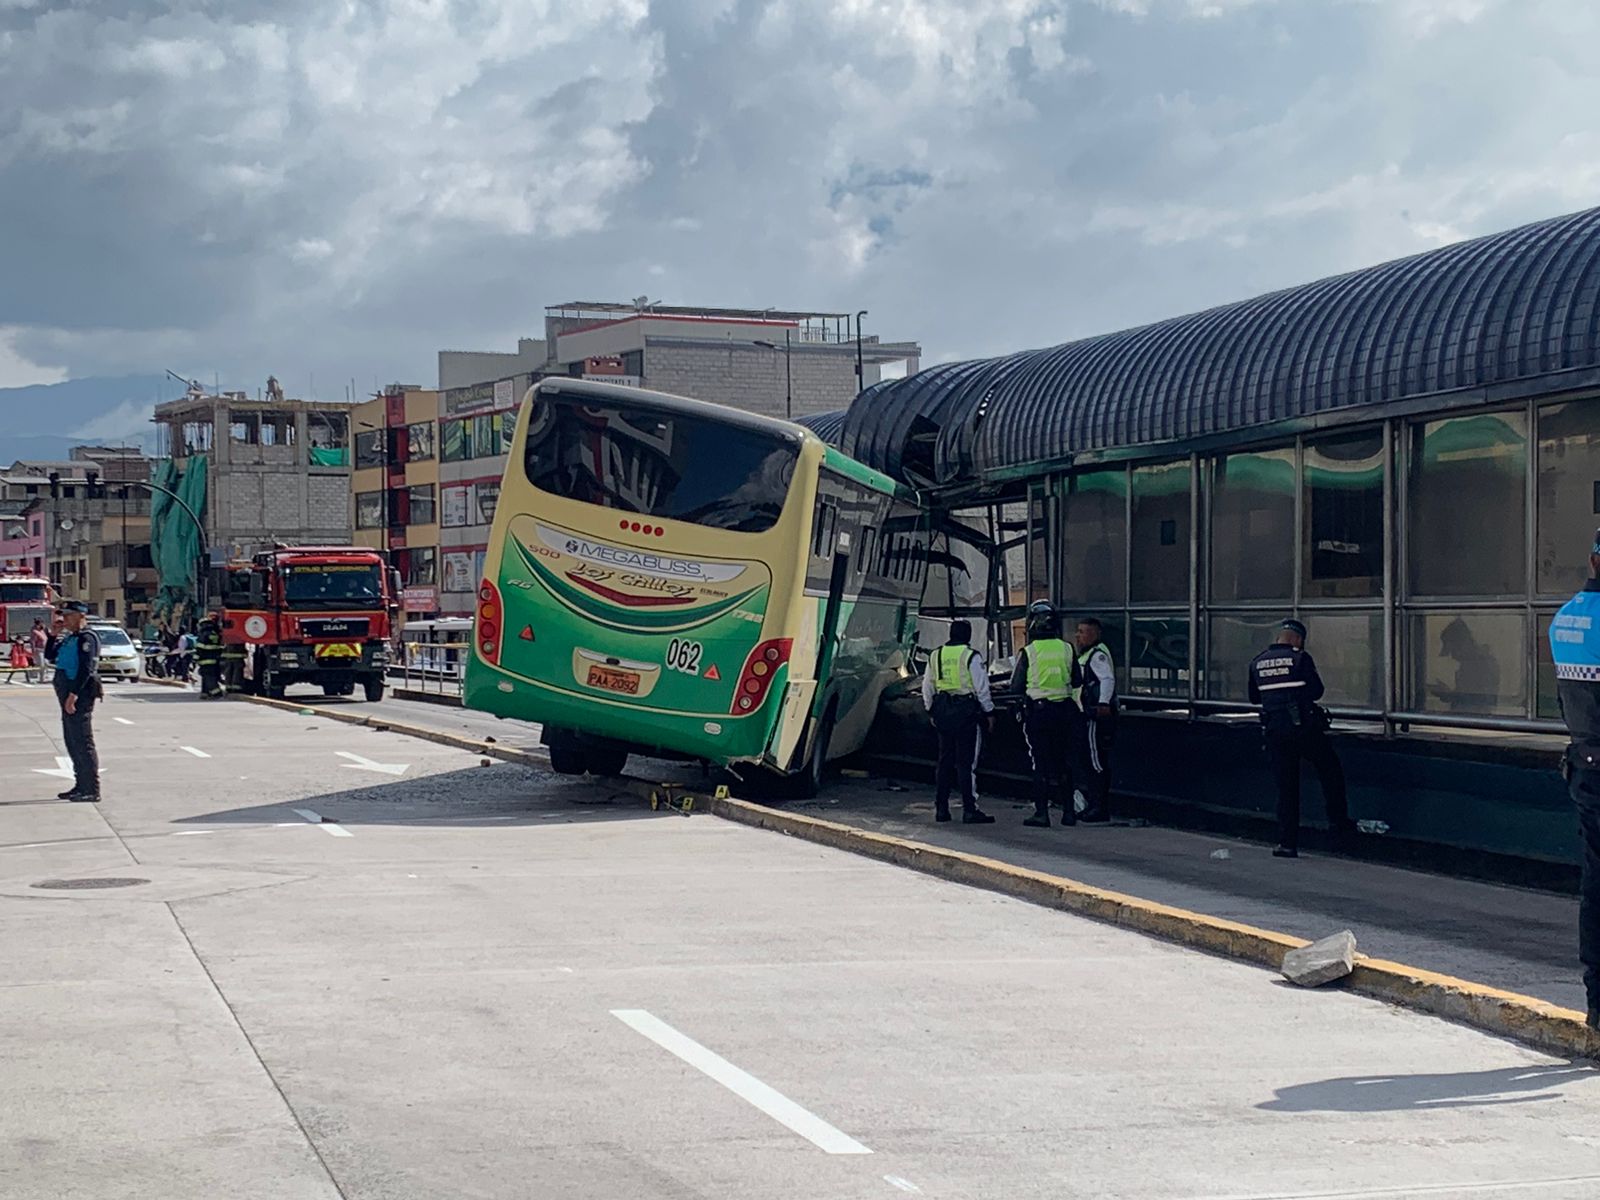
1524	1019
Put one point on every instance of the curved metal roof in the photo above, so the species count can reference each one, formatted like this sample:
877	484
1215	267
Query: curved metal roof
826	426
1508	306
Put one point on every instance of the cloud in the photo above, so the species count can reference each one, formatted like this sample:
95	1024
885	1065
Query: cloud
18	371
337	190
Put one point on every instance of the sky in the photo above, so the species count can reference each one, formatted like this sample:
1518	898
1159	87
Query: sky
333	191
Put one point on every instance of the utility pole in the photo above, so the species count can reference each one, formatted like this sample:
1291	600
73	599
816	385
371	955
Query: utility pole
788	374
861	378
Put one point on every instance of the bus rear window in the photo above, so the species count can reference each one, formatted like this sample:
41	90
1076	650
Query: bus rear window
659	463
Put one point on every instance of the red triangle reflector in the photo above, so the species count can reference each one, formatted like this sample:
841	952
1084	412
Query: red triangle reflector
527	633
712	672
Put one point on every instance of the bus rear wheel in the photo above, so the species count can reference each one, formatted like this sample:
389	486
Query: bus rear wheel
607	762
567	759
807	782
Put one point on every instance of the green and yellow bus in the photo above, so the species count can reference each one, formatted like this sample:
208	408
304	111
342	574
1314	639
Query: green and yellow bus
679	579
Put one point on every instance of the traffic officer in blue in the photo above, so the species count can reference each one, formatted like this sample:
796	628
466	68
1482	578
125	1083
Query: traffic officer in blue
1575	647
77	685
955	691
1285	683
1047	672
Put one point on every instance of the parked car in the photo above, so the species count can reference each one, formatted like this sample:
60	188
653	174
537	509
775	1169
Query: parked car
119	657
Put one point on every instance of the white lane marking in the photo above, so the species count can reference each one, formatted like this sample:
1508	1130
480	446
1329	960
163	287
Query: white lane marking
62	770
316	819
122	720
1404	1191
192	832
193	751
565	970
288	825
359	763
905	1185
741	1083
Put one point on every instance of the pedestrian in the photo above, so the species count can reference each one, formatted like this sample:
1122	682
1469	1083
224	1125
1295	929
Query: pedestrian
186	646
1047	672
39	637
77	688
955	691
1285	683
208	657
1575	647
1098	700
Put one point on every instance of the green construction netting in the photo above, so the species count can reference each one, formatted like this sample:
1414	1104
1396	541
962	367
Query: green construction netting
330	456
174	538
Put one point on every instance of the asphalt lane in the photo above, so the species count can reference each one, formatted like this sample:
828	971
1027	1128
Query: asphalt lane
498	983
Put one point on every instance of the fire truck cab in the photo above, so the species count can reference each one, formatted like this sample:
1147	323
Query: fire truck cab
24	598
322	615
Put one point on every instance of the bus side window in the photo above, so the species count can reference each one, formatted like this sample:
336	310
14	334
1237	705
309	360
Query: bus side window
822	535
869	546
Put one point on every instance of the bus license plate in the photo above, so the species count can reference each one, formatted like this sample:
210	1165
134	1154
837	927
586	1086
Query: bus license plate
614	681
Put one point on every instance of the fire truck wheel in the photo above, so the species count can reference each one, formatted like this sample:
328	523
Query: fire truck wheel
373	689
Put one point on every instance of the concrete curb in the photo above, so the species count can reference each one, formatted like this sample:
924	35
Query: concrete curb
1535	1023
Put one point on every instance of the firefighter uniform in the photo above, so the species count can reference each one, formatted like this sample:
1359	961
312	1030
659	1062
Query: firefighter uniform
1285	683
208	658
1098	699
1047	672
955	691
233	666
1575	646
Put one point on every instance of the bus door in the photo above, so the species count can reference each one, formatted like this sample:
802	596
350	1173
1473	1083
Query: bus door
803	704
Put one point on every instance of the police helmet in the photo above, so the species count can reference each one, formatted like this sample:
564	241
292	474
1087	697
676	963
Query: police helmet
1043	620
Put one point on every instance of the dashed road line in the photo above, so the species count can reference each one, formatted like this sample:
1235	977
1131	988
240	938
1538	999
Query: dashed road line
122	720
193	751
741	1083
905	1185
316	819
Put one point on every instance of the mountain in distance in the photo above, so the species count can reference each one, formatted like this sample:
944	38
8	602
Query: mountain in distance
45	420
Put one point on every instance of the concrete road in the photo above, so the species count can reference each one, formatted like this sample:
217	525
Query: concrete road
1513	938
363	966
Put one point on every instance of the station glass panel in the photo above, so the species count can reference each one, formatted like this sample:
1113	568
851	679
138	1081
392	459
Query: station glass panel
1545	703
1467	493
1094	537
1158	655
1160	541
1468	663
1233	639
1569	493
1252	526
1343	514
1348	650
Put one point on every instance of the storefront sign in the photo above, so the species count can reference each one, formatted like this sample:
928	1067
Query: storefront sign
420	599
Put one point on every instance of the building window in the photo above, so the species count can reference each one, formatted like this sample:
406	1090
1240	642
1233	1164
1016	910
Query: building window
1252	526
458	572
369	510
453	503
1469	663
244	428
1158	655
486	497
454	441
1094	537
1343	499
329	438
420	500
111	608
422	567
277	429
1348	650
369	448
485	436
1160	539
1467	534
1569	493
419	441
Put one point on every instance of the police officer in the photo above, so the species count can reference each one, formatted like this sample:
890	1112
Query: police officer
208	657
1047	671
1575	646
1285	683
1099	719
77	688
955	691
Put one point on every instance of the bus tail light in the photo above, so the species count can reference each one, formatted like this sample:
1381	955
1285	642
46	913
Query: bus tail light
759	670
488	629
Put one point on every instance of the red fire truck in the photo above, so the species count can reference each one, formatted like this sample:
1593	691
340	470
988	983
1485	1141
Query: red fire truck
24	598
311	614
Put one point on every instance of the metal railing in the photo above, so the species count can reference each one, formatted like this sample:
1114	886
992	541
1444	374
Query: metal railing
430	667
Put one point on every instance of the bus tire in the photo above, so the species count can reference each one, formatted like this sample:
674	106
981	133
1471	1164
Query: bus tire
808	782
609	763
373	688
567	759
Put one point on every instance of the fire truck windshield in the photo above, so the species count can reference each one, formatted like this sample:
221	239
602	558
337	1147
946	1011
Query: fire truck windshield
24	593
333	585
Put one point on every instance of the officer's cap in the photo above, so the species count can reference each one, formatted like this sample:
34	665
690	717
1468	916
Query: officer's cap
77	606
1294	627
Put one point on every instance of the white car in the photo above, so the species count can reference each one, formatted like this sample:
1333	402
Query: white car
119	657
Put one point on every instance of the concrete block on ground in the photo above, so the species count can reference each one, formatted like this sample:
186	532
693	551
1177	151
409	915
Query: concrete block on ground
1322	961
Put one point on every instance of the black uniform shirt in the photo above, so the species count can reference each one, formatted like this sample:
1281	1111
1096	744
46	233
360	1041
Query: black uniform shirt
1284	681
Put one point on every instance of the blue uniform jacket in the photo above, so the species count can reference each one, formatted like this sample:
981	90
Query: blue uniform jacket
1575	647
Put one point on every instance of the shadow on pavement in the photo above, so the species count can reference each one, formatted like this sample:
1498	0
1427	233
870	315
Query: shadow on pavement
1398	1093
501	794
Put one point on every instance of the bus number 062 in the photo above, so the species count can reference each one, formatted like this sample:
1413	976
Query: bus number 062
683	656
